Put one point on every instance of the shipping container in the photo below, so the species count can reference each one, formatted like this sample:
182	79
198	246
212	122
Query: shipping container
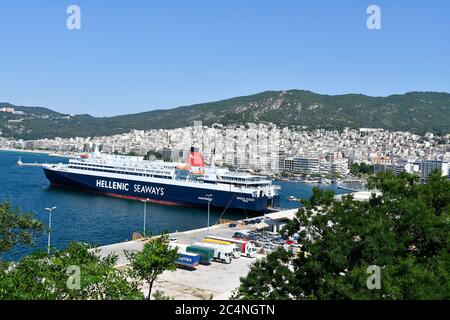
188	260
222	253
206	254
235	247
247	248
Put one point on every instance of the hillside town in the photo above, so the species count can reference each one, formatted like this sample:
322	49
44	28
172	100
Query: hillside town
269	149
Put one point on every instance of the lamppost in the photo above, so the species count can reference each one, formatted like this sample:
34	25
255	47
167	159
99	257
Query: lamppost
207	197
264	221
50	210
145	212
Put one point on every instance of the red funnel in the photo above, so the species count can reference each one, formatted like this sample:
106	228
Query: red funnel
195	158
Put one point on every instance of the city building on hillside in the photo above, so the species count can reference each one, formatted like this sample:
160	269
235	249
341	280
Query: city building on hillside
428	166
307	165
340	167
264	148
289	164
7	109
383	167
324	167
174	155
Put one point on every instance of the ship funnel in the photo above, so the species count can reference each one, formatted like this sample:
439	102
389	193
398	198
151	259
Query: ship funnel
195	158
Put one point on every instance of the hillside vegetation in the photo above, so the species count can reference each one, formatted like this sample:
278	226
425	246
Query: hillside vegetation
417	112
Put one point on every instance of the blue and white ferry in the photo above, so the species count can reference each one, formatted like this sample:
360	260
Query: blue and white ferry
171	183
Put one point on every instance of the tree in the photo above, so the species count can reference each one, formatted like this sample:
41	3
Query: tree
152	261
269	279
404	232
362	168
16	228
42	276
77	273
160	295
153	153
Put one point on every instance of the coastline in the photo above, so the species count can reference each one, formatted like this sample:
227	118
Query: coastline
116	218
49	153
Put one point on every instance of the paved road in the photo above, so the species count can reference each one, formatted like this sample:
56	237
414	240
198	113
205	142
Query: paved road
182	237
217	280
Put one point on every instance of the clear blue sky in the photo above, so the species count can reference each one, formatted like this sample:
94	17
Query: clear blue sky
133	56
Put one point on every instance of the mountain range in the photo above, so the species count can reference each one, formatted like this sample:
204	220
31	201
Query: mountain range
417	112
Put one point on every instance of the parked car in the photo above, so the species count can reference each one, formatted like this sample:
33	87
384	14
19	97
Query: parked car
257	244
232	225
269	246
289	241
241	235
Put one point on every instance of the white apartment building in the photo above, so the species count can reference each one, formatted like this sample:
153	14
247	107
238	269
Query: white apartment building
289	164
7	109
339	167
305	164
427	166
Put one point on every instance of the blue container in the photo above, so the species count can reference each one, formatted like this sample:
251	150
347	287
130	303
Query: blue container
188	260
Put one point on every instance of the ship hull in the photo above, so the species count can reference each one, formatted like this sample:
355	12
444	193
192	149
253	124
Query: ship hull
166	194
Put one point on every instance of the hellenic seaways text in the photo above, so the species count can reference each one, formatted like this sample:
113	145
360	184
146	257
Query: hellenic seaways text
125	186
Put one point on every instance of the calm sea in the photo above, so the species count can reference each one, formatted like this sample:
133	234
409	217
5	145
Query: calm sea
97	219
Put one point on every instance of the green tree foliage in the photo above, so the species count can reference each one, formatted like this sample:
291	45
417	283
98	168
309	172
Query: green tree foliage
160	295
42	277
152	261
267	274
153	153
16	227
132	154
361	168
405	232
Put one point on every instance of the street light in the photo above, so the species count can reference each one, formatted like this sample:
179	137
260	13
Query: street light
50	210
207	197
145	212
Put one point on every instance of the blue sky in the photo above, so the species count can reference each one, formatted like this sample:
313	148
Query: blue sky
133	56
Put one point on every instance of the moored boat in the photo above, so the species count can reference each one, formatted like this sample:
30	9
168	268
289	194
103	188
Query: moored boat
190	184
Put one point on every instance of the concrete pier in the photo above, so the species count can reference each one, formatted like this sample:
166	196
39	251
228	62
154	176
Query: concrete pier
216	281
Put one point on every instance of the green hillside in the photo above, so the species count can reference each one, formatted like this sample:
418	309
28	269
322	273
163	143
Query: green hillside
418	112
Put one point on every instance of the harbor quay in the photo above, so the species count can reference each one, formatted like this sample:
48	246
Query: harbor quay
215	281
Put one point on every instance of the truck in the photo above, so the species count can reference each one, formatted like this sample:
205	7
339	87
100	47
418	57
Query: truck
206	254
188	260
222	253
247	248
235	247
185	259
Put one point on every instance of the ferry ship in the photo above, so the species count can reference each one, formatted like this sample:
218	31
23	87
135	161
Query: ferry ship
171	183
